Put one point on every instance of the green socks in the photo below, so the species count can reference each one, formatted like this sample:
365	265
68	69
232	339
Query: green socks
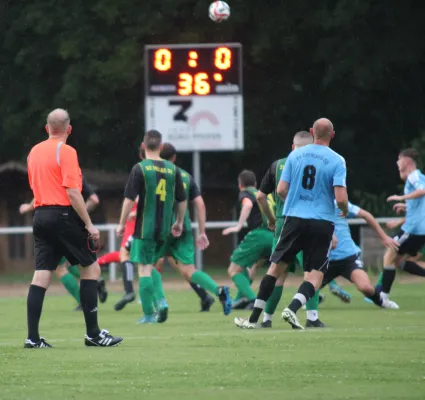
71	285
204	281
273	300
243	285
313	303
380	279
158	289
239	294
146	293
74	271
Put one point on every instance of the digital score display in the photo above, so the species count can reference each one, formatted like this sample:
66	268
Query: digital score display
193	70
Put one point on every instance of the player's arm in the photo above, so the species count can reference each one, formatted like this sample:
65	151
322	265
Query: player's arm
71	182
246	209
181	200
373	223
132	190
396	223
201	214
285	179
418	182
26	207
92	198
334	242
410	196
267	187
340	187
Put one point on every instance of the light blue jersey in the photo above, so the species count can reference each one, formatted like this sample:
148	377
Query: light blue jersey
312	171
415	209
346	246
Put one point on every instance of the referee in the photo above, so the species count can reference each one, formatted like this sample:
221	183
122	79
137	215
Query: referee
62	227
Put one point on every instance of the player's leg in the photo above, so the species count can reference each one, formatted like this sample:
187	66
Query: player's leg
339	292
69	282
274	300
265	291
48	252
183	251
160	302
46	260
206	299
315	239
146	253
101	284
109	258
240	302
360	278
127	274
240	278
73	242
256	245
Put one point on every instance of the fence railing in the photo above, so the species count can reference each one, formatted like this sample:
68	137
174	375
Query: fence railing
112	243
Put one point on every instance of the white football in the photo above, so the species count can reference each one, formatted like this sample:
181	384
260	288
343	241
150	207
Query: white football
219	11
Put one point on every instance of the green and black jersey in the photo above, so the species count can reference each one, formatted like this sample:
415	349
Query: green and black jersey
192	192
256	217
158	183
271	181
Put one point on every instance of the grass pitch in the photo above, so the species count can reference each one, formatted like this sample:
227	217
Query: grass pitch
366	353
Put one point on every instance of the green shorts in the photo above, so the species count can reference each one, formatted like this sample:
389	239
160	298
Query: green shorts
256	245
298	262
146	251
63	260
182	249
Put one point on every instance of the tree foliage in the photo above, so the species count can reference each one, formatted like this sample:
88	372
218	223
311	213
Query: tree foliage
355	61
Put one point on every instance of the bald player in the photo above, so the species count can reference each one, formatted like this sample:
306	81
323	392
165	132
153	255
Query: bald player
268	186
313	178
62	227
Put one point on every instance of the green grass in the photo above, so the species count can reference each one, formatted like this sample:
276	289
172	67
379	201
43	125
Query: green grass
366	353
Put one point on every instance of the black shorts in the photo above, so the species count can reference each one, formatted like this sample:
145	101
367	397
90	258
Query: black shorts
311	236
344	267
60	232
409	244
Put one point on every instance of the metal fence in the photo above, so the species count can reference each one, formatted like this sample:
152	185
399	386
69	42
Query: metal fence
112	243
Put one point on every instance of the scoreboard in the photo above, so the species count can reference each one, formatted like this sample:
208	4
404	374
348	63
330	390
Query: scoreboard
194	95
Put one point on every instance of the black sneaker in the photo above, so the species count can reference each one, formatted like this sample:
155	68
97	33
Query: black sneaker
78	308
29	344
240	304
250	305
127	298
315	324
207	303
101	290
266	324
103	340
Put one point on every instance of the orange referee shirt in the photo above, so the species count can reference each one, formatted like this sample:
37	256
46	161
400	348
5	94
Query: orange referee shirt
52	168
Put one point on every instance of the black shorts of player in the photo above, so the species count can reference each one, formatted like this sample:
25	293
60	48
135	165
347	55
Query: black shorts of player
311	236
60	232
344	267
409	244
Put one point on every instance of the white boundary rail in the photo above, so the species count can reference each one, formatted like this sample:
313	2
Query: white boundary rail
113	241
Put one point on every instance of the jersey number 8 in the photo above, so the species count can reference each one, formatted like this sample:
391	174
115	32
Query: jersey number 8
309	177
161	190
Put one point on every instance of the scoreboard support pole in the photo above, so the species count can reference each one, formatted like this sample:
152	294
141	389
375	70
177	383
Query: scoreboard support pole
196	169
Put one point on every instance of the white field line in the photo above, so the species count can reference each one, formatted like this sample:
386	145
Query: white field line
12	342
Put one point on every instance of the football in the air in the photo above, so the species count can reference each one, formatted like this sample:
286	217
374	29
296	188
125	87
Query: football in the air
219	11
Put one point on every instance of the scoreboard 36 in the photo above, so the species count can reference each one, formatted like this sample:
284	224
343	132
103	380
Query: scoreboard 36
193	95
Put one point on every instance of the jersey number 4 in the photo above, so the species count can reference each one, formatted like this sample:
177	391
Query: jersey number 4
161	190
309	177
